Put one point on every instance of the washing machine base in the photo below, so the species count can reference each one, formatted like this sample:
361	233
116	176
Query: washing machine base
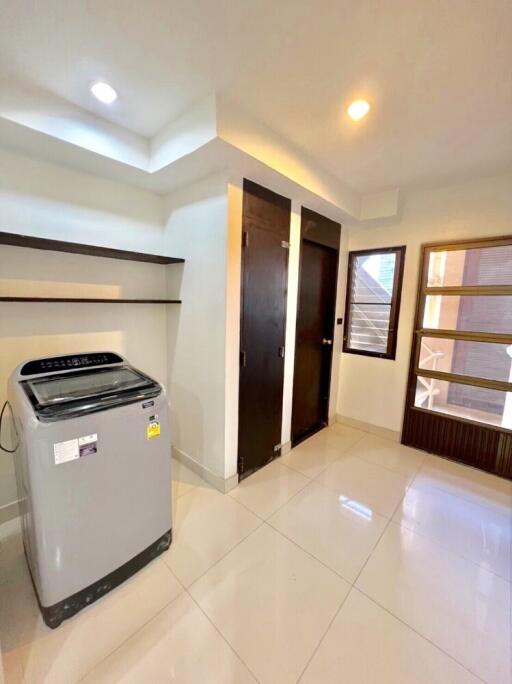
54	615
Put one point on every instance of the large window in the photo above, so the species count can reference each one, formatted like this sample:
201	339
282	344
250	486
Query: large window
373	301
463	350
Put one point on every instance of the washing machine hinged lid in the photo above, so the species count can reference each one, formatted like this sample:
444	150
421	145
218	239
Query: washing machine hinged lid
67	395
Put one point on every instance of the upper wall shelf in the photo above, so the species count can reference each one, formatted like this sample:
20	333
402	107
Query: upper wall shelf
77	248
89	300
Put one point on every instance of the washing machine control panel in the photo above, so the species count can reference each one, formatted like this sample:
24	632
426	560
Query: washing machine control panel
70	362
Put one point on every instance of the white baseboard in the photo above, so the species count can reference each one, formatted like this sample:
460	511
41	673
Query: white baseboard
285	448
216	481
9	511
386	433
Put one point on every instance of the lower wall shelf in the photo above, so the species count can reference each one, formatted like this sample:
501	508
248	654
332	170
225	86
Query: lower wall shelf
82	300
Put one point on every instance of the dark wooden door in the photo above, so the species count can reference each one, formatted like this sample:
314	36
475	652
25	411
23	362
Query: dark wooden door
315	325
266	229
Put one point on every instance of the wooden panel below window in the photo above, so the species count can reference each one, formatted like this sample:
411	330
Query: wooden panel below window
474	445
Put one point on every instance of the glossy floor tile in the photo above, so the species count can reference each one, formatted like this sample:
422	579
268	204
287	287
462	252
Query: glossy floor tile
184	479
313	455
259	584
179	645
66	654
269	488
339	533
367	645
459	606
469	483
480	534
372	487
206	526
272	602
345	435
391	455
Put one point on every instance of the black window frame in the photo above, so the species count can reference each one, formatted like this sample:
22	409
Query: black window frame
396	297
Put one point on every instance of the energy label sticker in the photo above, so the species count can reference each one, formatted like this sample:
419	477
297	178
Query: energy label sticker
153	429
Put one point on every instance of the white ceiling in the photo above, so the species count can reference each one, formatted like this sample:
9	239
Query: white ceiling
438	73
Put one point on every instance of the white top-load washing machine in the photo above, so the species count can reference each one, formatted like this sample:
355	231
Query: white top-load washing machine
93	470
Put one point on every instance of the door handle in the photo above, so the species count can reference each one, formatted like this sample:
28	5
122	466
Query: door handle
326	342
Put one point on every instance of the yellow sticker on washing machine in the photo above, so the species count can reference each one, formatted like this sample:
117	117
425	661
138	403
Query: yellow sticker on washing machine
153	429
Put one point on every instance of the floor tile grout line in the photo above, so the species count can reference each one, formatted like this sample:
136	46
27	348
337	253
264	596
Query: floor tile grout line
289	467
377	465
281	505
222	635
299	491
300	548
139	629
337	612
297	471
232	548
439	488
353	584
308	553
391	470
438	485
382	534
472	468
184	590
449	551
315	477
357	588
347	451
413	629
264	521
245	507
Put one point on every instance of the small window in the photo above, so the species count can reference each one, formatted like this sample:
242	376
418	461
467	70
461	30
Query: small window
373	301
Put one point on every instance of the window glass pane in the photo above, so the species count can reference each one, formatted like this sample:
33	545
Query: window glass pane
479	266
469	313
370	301
369	326
372	278
490	406
464	357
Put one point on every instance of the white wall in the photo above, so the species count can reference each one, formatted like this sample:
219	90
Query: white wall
196	229
291	321
233	304
41	199
371	389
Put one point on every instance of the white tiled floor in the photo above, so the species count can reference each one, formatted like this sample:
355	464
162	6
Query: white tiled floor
351	559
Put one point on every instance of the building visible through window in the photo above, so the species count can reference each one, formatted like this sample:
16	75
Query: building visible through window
373	301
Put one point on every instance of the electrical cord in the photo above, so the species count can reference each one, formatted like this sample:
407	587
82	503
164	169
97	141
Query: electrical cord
9	451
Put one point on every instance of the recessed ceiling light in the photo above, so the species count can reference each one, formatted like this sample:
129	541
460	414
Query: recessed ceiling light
358	109
103	92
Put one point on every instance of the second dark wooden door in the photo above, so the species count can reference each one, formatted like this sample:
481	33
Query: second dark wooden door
314	338
266	227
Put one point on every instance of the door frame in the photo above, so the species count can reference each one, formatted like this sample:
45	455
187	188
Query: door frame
323	231
439	432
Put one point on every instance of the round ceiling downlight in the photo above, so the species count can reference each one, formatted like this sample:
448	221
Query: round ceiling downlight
358	109
103	92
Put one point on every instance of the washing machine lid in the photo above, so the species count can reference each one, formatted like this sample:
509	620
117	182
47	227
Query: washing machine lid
67	395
